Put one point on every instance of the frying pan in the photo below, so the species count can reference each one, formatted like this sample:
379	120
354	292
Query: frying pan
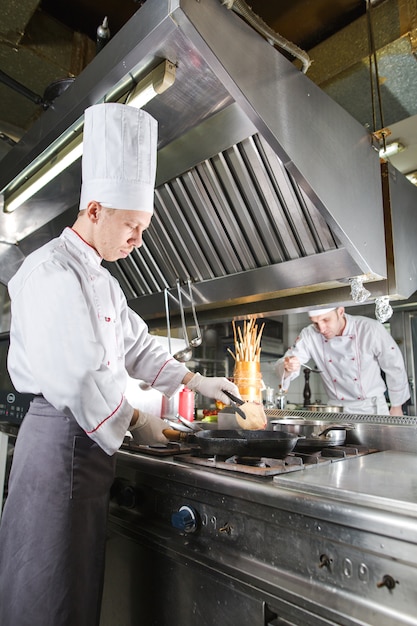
273	444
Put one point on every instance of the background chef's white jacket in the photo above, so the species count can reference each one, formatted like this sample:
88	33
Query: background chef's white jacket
351	363
74	339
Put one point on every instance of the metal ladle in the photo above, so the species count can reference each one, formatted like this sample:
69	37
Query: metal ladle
194	343
167	319
145	386
186	353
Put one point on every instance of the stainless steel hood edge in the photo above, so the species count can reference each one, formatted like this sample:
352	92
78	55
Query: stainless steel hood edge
245	288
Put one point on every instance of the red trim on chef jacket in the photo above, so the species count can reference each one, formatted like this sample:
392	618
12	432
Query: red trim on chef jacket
164	365
86	242
88	432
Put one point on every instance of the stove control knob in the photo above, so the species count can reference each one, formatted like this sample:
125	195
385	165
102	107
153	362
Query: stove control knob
387	581
124	494
325	561
185	519
127	497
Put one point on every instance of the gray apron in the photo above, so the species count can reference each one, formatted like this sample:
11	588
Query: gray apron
53	528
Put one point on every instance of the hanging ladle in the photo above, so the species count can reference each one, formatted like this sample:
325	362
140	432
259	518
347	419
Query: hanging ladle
167	319
194	343
186	353
145	386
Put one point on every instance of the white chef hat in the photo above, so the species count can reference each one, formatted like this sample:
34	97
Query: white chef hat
119	157
318	311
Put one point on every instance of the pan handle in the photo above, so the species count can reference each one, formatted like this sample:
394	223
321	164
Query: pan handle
335	427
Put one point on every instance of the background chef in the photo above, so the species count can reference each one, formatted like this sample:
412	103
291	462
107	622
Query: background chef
350	351
73	343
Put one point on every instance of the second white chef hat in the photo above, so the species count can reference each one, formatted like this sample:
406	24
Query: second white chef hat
318	311
119	157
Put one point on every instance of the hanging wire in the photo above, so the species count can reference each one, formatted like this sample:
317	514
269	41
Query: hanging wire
274	38
374	75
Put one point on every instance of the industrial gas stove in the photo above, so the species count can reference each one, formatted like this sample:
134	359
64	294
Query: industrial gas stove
331	541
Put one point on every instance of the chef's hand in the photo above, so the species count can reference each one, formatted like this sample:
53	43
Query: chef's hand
396	410
147	429
212	386
291	364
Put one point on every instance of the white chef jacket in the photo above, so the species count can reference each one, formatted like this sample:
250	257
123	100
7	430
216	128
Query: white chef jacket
351	364
74	340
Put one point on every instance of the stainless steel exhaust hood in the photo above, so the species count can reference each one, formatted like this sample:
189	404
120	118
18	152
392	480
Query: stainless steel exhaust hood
268	193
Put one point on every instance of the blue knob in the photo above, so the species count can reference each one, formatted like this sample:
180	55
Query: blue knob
185	519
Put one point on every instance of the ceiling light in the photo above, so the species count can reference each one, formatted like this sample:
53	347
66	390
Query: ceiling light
66	150
391	149
412	177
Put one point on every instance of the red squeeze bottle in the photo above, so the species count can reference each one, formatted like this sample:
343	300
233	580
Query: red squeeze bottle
186	404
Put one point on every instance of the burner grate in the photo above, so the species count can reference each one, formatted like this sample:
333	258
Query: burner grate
266	466
168	449
261	466
344	452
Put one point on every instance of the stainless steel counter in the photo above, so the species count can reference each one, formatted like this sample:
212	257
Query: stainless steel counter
385	480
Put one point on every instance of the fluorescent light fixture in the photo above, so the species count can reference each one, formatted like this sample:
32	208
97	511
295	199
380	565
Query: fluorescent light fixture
44	175
412	177
66	150
391	149
155	83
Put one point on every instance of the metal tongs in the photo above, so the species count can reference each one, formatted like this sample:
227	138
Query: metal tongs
183	425
237	401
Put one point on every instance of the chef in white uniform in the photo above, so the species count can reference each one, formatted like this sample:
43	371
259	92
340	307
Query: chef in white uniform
350	351
73	343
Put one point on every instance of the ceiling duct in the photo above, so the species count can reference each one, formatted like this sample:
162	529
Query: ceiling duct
266	188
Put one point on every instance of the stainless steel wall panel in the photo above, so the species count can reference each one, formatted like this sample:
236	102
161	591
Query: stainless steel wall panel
401	212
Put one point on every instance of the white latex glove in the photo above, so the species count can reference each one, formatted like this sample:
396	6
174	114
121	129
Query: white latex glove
211	387
148	430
